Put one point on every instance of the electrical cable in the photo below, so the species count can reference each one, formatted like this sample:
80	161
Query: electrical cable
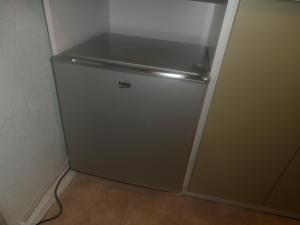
61	208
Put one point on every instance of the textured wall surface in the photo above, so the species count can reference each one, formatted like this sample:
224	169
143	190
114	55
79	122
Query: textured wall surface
31	141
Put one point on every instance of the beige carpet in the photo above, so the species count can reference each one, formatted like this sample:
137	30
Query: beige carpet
94	201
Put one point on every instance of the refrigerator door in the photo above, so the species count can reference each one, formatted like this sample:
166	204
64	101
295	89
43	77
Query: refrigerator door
128	127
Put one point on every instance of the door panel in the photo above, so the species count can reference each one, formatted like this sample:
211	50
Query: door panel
253	127
286	195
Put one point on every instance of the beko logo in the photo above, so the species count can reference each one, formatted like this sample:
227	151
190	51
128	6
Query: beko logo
123	84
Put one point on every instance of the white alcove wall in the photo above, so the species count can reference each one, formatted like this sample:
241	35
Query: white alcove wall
173	20
215	29
71	22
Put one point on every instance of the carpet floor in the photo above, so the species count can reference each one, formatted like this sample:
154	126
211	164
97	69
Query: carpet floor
93	201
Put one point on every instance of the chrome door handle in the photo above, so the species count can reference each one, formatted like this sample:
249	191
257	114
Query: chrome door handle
202	75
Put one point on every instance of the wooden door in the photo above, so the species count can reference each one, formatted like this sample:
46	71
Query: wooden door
253	127
286	194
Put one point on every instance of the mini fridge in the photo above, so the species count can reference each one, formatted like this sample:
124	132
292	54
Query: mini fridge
130	107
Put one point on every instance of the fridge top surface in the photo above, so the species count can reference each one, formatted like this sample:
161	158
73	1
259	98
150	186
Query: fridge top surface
154	55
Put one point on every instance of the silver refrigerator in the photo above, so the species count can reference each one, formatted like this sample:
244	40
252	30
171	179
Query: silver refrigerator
130	107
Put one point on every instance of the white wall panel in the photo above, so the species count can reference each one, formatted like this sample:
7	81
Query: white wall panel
32	150
71	22
215	28
176	20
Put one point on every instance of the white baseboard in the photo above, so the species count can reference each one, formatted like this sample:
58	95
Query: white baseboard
244	205
48	199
